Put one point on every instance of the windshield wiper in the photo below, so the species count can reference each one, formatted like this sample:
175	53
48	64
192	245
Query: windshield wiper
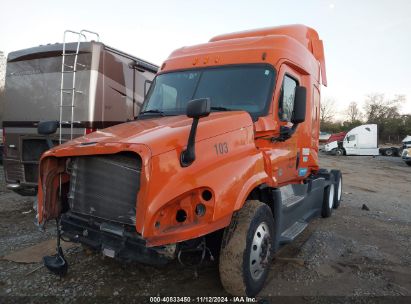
155	111
221	109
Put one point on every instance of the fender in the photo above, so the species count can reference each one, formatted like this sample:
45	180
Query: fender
250	185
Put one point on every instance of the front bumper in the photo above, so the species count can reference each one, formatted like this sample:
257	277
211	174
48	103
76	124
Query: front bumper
115	240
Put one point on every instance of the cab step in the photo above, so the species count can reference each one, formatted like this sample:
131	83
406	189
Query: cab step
293	231
292	200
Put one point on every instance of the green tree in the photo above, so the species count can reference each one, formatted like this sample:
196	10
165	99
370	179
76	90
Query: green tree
385	113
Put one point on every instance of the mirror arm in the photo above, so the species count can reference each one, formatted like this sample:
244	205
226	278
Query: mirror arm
285	133
188	155
49	142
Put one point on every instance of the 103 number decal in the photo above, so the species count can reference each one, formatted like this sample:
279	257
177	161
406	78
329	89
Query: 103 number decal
221	148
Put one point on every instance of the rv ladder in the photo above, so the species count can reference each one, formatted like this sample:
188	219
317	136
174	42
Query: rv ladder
71	71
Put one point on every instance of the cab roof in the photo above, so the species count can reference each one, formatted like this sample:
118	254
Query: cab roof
297	43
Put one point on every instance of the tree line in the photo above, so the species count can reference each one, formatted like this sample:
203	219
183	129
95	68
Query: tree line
377	109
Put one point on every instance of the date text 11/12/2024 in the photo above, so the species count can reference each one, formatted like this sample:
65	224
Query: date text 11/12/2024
234	299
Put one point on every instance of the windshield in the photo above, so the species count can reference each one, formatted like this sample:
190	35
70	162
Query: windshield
247	88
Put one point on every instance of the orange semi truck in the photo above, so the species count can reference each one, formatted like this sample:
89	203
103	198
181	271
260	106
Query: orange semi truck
224	151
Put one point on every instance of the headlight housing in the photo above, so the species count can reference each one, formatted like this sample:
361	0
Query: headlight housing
191	208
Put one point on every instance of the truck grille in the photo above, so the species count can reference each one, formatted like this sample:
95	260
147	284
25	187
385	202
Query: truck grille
106	186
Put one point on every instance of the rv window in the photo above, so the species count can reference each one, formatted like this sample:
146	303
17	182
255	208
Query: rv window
286	101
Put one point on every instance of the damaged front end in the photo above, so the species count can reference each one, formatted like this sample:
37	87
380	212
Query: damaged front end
95	199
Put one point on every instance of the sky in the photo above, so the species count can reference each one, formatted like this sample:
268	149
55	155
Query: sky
367	43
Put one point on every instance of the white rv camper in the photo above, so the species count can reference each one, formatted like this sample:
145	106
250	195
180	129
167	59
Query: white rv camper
85	86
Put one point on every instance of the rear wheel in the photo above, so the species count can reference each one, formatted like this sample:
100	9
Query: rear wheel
389	152
246	250
337	188
328	201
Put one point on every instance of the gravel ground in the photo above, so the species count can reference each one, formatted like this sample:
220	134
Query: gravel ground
353	253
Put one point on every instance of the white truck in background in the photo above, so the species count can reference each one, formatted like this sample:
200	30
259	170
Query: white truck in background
406	143
363	140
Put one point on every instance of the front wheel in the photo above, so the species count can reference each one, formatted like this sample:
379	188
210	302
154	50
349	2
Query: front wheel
246	250
339	152
408	163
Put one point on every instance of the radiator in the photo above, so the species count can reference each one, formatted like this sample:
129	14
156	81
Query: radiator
105	186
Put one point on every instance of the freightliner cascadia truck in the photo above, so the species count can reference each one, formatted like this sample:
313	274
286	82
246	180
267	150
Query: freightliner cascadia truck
225	150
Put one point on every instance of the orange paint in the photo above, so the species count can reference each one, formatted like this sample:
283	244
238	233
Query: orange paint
252	158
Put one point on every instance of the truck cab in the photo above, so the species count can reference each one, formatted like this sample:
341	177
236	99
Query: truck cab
224	149
361	140
406	156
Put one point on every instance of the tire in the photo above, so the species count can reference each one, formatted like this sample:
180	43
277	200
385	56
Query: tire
328	201
242	270
337	187
339	152
408	163
389	152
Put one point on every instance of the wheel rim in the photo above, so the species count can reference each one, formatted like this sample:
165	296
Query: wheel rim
339	189
331	196
260	251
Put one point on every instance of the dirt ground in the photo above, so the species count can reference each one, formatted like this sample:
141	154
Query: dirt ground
354	253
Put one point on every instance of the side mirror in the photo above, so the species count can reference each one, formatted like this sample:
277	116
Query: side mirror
47	127
300	102
196	109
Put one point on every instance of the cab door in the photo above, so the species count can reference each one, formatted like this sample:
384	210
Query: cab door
284	154
350	143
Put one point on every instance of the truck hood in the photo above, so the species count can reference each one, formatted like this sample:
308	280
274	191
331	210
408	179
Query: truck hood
162	134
